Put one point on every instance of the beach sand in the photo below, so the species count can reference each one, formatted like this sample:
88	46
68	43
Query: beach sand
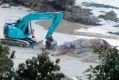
64	27
71	27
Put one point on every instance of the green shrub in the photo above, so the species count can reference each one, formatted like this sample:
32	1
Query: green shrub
108	69
6	63
39	68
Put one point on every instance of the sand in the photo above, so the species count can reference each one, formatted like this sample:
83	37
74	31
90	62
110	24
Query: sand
64	27
70	27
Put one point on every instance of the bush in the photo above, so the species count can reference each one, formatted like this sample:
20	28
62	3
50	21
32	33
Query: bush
6	63
39	68
108	69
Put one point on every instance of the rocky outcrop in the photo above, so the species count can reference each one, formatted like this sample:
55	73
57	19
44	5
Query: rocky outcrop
85	45
78	14
110	16
72	12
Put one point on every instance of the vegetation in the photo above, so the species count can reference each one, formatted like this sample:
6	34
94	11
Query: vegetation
108	69
6	62
39	68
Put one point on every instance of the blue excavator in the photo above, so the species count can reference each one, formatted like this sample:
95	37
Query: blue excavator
20	32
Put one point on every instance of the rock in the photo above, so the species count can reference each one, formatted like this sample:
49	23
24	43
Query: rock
88	45
82	45
66	4
83	16
78	14
79	9
115	33
89	20
110	16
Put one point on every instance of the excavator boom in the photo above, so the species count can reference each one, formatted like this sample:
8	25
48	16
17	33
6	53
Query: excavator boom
56	18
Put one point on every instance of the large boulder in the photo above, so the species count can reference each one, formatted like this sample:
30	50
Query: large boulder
78	14
110	16
84	45
87	45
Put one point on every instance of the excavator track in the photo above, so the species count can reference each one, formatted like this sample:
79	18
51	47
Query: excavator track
15	42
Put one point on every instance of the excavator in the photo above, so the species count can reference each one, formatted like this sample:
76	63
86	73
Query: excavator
20	32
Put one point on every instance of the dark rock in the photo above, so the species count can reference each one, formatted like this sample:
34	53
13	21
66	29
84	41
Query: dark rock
110	16
115	33
66	4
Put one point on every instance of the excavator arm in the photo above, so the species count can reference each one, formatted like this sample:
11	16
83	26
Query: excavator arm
56	18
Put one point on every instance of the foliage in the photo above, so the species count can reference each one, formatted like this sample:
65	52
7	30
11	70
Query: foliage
6	62
39	68
108	69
